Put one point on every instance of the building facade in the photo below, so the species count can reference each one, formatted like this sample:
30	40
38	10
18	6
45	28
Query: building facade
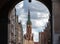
48	33
14	29
41	38
45	37
19	32
11	27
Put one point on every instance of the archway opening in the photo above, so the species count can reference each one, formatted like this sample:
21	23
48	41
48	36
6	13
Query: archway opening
39	17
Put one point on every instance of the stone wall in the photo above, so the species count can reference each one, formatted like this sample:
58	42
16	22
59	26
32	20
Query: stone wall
56	20
11	27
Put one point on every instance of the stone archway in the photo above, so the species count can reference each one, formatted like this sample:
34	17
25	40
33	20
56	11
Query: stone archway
5	5
46	5
4	14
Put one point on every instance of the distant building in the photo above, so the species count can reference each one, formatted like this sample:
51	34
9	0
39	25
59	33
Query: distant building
28	37
19	32
41	38
11	27
48	33
45	37
14	29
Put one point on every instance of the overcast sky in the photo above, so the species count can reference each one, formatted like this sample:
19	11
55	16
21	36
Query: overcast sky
39	16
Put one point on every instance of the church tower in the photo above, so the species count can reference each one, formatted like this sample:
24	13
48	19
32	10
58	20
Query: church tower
28	36
29	28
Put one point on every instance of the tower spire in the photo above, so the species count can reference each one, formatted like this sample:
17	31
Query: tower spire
29	21
28	15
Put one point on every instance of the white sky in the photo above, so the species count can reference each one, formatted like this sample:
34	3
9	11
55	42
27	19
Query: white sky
39	16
